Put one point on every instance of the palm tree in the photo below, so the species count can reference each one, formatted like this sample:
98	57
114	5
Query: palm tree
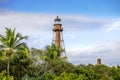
10	43
20	61
51	56
51	52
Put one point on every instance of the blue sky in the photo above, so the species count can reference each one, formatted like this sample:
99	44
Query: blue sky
91	27
85	7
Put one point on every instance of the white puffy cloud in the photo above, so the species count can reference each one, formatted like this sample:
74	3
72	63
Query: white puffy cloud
113	25
79	23
109	53
38	25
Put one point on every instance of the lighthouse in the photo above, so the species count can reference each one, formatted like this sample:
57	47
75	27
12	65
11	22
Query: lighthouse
58	39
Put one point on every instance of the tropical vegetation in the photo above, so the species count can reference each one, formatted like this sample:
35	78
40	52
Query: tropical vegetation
19	62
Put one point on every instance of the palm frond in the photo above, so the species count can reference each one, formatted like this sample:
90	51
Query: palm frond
21	44
2	38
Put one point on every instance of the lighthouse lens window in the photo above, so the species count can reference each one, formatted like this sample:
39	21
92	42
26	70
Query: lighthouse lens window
57	22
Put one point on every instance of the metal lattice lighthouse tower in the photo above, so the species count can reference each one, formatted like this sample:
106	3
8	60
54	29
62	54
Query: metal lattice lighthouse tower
58	36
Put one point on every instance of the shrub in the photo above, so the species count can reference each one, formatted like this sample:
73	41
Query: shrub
4	76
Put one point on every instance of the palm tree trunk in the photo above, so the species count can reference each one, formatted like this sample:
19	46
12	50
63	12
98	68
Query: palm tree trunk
8	65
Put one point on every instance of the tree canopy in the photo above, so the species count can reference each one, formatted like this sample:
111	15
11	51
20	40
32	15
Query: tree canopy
19	62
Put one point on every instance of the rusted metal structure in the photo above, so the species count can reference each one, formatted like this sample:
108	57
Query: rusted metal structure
99	61
58	39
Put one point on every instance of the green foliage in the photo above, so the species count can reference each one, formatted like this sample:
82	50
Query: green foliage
86	73
103	70
10	43
66	76
46	76
2	65
26	77
46	64
115	73
51	52
20	61
3	76
75	76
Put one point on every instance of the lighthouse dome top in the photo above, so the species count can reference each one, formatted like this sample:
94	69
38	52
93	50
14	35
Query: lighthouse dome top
57	20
